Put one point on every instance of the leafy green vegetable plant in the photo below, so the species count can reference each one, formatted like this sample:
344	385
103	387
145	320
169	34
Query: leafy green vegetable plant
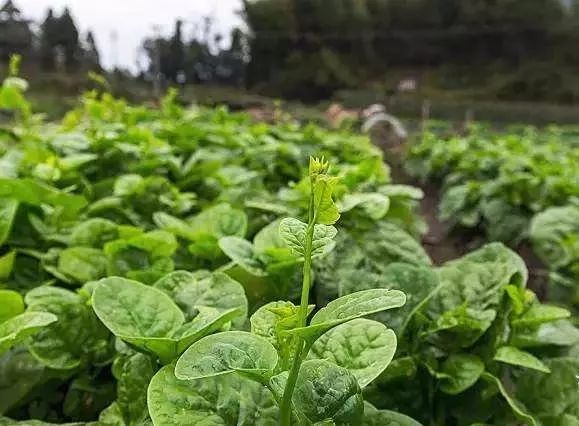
305	366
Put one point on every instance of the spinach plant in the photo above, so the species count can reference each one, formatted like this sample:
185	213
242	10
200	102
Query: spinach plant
302	371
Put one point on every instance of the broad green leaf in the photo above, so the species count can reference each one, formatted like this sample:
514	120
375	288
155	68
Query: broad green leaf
387	243
375	204
514	356
293	232
133	374
144	257
539	313
95	232
29	191
470	293
8	208
225	353
242	253
550	231
460	327
18	328
174	225
158	243
7	265
220	221
519	409
20	374
375	417
220	400
207	321
82	264
477	279
350	307
11	304
361	261
362	346
191	291
557	333
554	396
326	212
77	336
141	315
325	391
269	238
460	372
400	368
418	283
127	184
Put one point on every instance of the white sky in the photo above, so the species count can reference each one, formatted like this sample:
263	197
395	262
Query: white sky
133	20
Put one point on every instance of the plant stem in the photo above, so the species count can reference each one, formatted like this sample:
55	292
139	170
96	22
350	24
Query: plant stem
302	347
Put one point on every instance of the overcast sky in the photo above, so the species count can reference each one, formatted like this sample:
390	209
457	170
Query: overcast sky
133	20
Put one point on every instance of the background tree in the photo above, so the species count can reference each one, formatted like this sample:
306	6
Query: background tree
68	39
15	33
91	55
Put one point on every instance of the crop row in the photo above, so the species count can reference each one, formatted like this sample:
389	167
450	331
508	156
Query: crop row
521	184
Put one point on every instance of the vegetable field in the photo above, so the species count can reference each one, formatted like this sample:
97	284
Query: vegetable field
187	266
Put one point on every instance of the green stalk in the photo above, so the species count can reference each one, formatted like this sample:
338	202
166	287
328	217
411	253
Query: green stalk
302	347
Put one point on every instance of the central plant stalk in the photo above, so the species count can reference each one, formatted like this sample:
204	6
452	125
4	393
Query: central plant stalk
301	347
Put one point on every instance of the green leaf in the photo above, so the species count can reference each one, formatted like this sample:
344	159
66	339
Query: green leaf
387	243
325	391
242	253
77	336
550	231
207	321
218	400
95	232
293	232
133	374
141	315
518	408
557	333
375	417
326	212
11	304
7	265
540	313
20	374
418	283
176	226
158	243
374	204
18	328
269	238
220	221
31	192
227	352
8	209
460	372
82	264
192	291
347	308
362	346
513	356
553	396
